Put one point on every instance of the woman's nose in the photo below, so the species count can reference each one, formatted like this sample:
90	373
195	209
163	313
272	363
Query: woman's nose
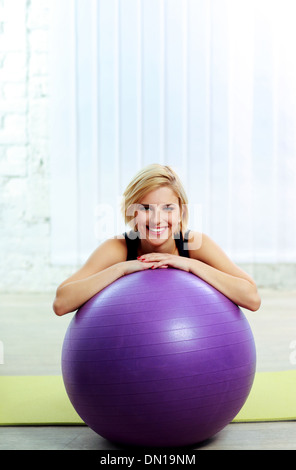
154	216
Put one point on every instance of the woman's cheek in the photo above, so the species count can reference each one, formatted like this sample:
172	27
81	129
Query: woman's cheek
141	220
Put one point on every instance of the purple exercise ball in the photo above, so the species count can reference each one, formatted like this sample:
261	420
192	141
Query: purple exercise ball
158	358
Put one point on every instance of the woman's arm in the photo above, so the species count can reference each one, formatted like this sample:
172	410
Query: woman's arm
209	262
72	294
238	289
105	265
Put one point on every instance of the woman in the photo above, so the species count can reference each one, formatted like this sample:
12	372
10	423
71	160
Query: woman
155	206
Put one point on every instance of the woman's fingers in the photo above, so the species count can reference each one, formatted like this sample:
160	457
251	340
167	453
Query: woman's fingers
153	257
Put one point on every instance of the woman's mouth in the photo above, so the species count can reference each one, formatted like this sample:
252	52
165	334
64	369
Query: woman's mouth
157	230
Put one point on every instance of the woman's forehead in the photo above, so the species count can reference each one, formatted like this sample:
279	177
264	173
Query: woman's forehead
162	195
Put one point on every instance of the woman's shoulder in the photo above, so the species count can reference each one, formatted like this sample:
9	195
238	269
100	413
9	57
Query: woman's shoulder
193	236
118	241
125	240
114	247
193	240
202	247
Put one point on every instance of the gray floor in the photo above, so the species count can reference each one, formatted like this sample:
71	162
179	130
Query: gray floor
32	338
237	436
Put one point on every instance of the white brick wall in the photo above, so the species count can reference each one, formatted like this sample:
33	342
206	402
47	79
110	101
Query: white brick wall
24	149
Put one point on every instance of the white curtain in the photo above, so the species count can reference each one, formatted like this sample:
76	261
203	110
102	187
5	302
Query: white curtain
207	86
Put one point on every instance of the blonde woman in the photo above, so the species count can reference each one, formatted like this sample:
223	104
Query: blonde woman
155	207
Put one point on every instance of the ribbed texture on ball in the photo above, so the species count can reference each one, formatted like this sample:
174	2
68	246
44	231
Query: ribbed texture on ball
158	358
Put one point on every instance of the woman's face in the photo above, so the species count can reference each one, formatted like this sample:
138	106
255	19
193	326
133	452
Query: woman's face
158	215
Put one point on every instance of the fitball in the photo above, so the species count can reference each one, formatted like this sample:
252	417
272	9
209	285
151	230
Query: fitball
158	358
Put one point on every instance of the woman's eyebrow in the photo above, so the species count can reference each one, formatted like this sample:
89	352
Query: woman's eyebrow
161	205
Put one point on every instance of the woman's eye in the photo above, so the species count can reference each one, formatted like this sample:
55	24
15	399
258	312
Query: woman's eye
149	208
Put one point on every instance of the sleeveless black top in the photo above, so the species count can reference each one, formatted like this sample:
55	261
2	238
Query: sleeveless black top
132	242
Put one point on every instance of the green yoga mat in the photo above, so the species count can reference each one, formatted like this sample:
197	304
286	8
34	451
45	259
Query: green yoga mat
42	400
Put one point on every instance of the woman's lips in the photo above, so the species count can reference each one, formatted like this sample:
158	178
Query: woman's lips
157	230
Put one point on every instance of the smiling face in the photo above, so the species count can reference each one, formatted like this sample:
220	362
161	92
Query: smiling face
158	215
155	205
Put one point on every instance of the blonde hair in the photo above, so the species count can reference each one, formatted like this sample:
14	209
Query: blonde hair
148	179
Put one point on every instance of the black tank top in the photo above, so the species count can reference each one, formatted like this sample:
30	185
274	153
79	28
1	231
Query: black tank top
132	242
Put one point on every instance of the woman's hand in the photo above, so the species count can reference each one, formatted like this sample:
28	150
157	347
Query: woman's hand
165	260
132	266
